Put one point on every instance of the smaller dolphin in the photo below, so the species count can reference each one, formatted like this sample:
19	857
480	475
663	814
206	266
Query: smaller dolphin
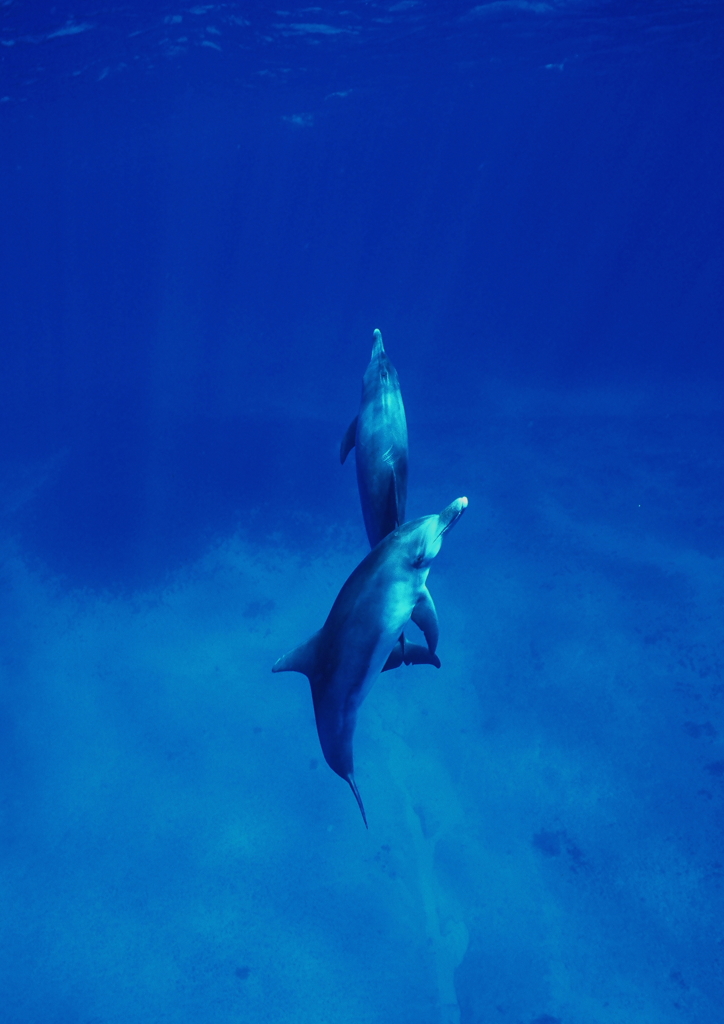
343	659
379	432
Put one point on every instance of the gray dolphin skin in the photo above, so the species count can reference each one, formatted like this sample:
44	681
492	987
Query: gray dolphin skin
379	433
343	659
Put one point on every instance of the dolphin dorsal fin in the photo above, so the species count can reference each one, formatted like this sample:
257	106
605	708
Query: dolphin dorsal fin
348	441
302	659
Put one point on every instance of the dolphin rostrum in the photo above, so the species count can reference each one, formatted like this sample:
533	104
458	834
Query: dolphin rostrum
343	659
379	434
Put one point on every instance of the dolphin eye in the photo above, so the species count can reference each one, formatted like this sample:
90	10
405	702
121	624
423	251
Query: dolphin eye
417	562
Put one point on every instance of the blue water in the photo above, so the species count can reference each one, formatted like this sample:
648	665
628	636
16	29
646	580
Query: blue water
204	213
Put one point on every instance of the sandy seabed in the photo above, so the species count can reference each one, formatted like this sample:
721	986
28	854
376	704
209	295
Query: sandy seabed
545	810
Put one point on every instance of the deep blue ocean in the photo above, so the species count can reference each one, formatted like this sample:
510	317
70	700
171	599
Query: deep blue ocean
205	212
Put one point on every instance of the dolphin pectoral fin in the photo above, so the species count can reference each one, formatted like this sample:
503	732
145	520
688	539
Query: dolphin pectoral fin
301	659
348	441
397	656
416	654
410	654
358	798
425	616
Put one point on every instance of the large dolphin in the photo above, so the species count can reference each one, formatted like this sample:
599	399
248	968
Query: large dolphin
343	659
379	434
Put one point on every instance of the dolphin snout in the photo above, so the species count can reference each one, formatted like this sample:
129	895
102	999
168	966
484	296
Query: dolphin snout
377	345
450	515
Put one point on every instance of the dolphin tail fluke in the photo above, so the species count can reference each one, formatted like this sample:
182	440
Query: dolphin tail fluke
348	441
358	798
301	659
416	654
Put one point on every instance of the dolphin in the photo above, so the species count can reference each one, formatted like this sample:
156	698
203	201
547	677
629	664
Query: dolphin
343	659
379	433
